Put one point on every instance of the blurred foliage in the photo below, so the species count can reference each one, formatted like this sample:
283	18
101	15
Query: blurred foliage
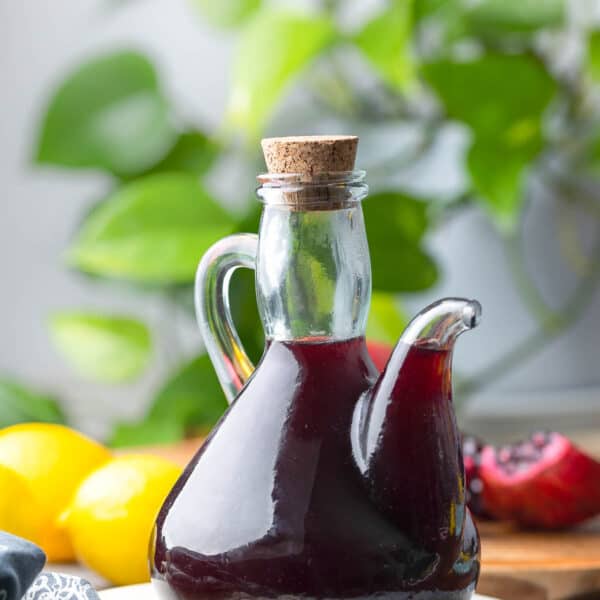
109	349
494	18
272	49
593	58
387	42
493	21
490	67
21	405
190	402
396	224
110	114
150	230
226	13
504	123
386	318
193	153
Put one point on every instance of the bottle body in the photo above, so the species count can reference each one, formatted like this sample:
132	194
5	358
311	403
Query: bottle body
274	506
276	503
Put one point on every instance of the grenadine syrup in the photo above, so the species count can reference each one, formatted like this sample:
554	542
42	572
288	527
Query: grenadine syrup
275	505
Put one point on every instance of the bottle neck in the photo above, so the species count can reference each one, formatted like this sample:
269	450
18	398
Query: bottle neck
313	272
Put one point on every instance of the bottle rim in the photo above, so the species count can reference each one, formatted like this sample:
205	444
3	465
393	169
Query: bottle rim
286	180
327	190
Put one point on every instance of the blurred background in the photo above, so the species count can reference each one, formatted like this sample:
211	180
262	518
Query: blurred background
130	142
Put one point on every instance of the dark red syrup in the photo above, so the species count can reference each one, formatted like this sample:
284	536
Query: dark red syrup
275	505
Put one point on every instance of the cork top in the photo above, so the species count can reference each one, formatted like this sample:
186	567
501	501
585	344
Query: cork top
310	154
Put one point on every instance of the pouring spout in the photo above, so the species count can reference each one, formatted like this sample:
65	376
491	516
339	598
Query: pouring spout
428	338
442	322
405	440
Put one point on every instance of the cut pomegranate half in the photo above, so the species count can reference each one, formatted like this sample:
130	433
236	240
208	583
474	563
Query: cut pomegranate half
543	482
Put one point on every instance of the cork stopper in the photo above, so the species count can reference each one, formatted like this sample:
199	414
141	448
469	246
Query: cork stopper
310	154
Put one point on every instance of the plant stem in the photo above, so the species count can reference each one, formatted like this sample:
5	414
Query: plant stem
403	158
530	295
552	326
574	191
443	212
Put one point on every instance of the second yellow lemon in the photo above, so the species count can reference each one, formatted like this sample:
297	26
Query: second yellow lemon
113	512
53	460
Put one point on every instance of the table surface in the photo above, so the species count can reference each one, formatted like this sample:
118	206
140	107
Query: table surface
516	565
144	591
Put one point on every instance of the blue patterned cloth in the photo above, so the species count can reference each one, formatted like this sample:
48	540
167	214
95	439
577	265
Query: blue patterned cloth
20	563
56	586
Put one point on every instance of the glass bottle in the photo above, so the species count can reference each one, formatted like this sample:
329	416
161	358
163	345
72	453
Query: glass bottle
323	479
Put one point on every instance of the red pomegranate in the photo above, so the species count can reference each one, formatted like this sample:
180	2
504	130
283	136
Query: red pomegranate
543	482
380	352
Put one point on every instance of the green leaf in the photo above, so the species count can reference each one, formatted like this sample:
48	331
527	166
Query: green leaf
592	162
395	225
249	222
194	395
498	96
192	399
593	56
110	114
386	42
496	18
442	23
109	349
503	99
193	153
387	320
273	48
402	268
148	431
152	230
397	213
424	9
495	21
226	13
21	405
498	173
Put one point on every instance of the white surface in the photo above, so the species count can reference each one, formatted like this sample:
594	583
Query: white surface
145	591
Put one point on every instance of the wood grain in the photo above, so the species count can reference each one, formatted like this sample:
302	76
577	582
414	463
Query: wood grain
547	565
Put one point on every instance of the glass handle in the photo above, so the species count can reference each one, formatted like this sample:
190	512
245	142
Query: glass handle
213	312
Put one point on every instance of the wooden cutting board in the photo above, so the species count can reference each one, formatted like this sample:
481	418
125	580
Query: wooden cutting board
540	565
516	565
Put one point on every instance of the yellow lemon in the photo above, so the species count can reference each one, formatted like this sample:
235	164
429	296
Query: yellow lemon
53	460
113	512
20	513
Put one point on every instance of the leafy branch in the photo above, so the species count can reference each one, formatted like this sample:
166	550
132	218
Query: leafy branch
479	65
